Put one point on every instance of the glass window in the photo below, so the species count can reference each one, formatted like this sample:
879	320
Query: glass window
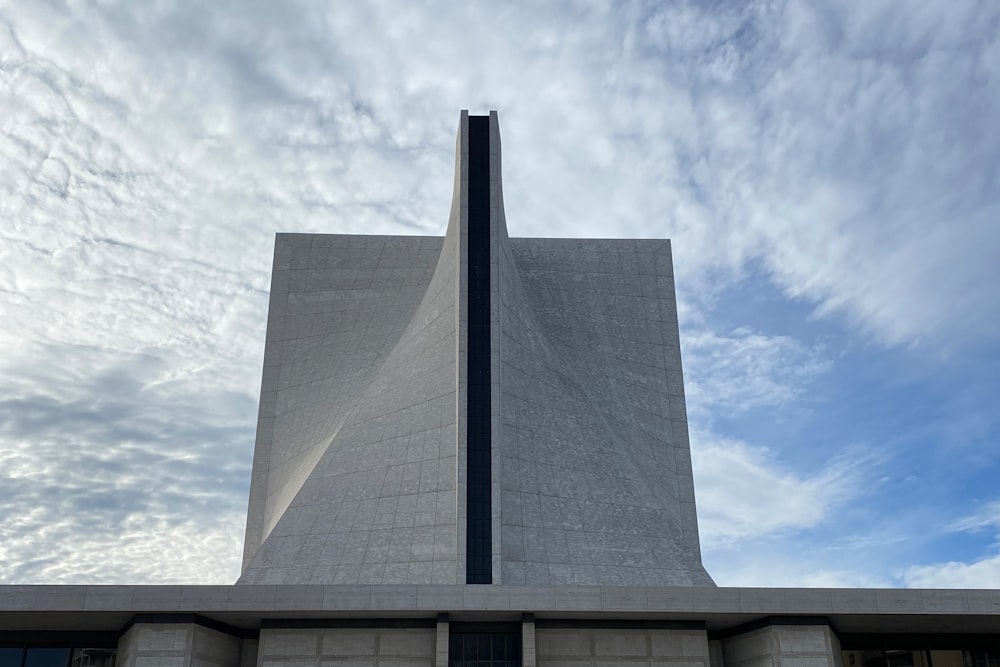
93	657
484	649
46	657
10	657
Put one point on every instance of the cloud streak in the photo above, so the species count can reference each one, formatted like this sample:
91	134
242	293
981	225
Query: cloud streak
149	153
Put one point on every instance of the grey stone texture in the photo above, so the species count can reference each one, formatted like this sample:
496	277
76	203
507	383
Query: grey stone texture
359	466
783	646
181	645
348	647
586	647
972	610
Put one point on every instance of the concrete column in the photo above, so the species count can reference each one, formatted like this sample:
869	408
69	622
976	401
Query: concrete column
177	645
528	654
441	642
778	645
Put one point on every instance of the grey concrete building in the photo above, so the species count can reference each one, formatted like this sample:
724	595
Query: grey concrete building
473	408
472	451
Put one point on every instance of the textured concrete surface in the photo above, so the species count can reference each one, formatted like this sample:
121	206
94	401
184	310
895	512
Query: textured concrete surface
357	647
246	606
698	602
354	467
339	307
783	646
596	471
178	645
359	468
583	647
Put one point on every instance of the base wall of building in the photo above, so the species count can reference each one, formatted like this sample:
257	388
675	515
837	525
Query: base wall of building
347	647
179	645
585	647
783	646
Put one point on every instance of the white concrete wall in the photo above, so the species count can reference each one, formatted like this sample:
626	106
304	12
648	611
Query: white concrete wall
602	648
178	645
347	647
784	646
210	648
156	645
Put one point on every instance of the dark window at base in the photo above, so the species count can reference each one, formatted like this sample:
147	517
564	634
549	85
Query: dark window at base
484	649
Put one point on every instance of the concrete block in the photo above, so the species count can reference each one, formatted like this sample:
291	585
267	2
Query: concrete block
899	601
670	599
439	597
805	639
349	642
52	598
156	598
485	597
393	597
619	644
854	601
275	643
531	598
108	598
623	598
560	643
347	597
762	600
578	598
942	601
409	643
983	601
301	597
159	638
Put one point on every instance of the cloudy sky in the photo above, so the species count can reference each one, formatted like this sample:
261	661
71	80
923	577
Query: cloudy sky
828	174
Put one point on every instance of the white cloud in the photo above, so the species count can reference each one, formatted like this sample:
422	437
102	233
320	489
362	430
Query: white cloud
988	516
741	370
982	572
745	492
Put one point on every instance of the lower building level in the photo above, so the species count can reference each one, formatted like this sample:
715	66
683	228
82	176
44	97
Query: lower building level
495	626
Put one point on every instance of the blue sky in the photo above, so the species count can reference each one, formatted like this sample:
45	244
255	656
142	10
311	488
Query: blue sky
828	174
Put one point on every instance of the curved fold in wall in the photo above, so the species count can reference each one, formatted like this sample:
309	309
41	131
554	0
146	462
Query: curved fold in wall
361	473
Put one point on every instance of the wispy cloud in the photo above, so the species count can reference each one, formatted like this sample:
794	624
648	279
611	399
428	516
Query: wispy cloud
739	370
743	492
149	152
979	572
118	477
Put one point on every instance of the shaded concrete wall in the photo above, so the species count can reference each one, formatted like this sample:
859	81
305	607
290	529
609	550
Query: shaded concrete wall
359	472
179	645
598	647
348	647
783	646
338	307
596	470
379	504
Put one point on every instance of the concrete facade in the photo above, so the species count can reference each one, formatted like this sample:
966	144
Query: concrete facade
592	647
360	464
783	646
559	626
348	647
359	512
182	645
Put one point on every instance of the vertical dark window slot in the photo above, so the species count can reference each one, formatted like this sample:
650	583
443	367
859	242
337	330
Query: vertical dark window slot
478	531
484	649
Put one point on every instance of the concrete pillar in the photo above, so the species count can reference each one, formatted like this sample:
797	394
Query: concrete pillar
178	645
777	645
528	654
441	642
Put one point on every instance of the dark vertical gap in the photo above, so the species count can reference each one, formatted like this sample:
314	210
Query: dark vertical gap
478	530
484	649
